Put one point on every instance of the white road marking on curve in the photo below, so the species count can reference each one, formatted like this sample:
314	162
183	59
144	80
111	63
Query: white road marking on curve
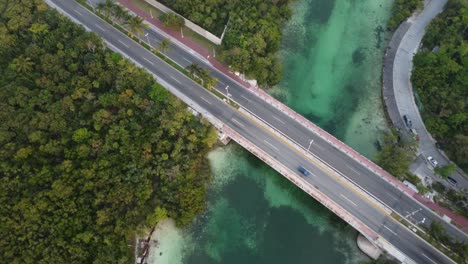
270	144
386	227
349	200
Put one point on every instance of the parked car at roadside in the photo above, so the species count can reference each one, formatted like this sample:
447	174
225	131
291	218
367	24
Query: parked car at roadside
452	181
408	122
432	161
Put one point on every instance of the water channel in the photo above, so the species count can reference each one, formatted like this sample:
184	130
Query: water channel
332	53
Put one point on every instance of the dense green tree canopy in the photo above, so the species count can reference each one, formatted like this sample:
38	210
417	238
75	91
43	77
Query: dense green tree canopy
396	156
91	148
440	76
401	10
253	34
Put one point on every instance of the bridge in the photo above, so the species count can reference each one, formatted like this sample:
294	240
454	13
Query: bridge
351	186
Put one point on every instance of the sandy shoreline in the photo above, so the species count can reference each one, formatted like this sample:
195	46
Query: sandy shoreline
166	243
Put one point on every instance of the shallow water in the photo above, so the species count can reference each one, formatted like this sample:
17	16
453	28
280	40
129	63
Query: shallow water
332	53
332	66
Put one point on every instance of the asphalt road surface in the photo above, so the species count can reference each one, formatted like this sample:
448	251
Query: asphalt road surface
368	213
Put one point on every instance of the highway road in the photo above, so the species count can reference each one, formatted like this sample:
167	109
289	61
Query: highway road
330	185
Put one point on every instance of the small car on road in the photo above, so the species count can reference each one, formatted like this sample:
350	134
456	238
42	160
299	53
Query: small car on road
408	122
304	171
432	161
452	181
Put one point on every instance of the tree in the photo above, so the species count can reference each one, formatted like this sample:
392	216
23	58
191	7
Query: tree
446	170
172	20
120	13
164	46
92	149
201	74
440	78
402	9
396	155
158	93
106	7
252	36
210	82
422	189
437	231
136	25
22	64
193	69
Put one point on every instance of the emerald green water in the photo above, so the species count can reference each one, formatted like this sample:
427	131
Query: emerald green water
332	62
332	56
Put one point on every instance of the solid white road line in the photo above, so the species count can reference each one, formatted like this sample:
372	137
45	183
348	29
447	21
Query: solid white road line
123	43
429	258
275	117
189	61
351	168
100	27
204	99
173	78
386	227
348	199
78	13
237	122
148	61
270	144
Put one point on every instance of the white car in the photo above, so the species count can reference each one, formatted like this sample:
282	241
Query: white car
432	161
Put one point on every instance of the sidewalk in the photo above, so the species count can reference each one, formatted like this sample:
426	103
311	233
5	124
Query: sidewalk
291	113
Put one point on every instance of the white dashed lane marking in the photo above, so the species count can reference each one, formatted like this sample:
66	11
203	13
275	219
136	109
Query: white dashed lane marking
271	145
349	200
386	227
123	43
173	78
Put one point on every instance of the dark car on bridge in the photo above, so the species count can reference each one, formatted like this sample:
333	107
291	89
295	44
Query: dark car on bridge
304	171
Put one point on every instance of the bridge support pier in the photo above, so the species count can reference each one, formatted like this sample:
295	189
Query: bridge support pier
223	137
368	248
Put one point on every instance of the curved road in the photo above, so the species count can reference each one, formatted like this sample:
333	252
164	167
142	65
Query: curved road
403	90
